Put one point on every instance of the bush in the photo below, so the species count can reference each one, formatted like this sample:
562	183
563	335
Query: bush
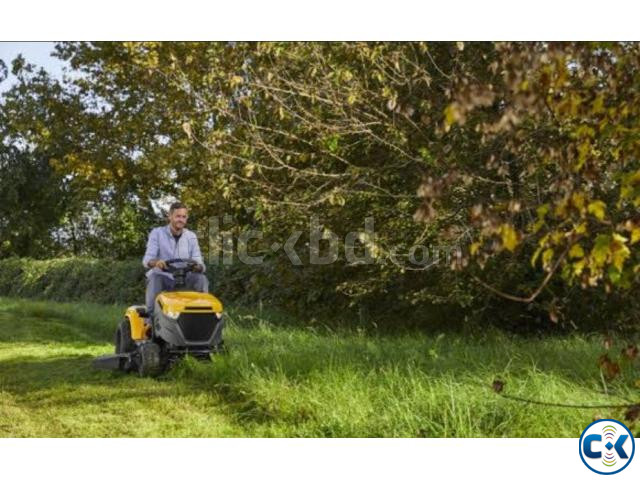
114	281
306	295
67	279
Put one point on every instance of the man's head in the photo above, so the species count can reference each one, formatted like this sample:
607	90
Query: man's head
178	216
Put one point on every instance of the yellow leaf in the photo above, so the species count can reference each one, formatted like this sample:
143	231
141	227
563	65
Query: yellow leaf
619	238
583	151
452	114
509	237
600	250
535	227
557	238
542	210
619	258
542	244
547	256
619	251
597	208
634	178
598	104
578	266
626	191
249	168
576	251
536	254
474	247
578	200
635	235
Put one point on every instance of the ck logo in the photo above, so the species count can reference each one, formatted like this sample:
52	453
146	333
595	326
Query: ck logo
607	447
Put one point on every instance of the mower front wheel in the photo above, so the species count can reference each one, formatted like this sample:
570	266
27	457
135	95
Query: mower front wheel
149	364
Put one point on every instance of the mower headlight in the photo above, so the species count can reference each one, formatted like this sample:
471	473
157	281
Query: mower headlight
172	315
219	315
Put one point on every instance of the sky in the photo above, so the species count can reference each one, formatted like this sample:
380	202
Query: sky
34	52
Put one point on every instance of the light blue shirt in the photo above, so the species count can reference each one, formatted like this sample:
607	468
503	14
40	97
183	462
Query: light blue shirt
162	245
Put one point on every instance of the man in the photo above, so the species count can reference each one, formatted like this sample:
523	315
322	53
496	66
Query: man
165	243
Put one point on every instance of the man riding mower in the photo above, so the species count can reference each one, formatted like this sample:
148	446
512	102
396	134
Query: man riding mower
180	316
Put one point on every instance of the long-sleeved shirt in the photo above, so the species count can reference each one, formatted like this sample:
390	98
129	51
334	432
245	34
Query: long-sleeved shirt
162	245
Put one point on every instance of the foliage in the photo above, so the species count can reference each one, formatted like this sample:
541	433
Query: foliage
521	156
47	209
108	281
554	180
68	279
33	196
27	219
270	133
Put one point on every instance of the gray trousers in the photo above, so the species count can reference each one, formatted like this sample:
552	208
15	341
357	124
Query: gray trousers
156	283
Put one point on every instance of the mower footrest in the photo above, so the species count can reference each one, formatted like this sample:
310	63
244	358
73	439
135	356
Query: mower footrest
110	362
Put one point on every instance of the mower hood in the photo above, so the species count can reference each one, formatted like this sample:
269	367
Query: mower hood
189	302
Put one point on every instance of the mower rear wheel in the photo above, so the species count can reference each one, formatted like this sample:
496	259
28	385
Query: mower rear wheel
149	364
124	344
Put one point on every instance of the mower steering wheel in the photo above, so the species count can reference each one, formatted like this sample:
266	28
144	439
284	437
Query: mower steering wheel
187	265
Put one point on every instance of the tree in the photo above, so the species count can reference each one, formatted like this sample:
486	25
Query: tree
523	157
32	194
553	188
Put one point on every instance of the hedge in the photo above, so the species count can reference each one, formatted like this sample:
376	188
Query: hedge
122	281
73	279
297	291
307	294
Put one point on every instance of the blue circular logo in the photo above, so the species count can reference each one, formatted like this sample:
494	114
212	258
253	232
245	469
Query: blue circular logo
607	447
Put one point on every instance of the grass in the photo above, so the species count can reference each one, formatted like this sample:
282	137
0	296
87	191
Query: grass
295	381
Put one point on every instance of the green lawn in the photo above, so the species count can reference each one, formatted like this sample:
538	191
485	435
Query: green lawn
295	381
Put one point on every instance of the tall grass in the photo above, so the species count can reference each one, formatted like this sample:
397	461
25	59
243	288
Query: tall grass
281	380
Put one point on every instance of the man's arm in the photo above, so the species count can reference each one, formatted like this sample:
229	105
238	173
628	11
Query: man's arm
195	253
153	251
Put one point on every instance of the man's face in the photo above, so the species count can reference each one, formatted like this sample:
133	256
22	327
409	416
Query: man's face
178	218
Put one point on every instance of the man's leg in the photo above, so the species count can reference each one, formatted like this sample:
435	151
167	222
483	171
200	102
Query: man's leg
197	282
156	283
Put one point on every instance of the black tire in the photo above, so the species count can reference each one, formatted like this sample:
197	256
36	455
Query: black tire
149	364
124	343
164	357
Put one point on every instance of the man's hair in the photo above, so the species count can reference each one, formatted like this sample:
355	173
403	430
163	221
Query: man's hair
176	206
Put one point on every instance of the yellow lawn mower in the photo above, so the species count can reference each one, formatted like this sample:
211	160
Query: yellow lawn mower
183	323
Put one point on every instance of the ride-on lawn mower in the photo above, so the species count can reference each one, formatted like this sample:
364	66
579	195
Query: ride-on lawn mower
183	322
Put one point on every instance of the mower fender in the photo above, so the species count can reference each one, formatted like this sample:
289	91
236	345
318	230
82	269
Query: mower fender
139	329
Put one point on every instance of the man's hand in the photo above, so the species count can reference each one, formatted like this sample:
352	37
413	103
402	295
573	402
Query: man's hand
161	264
197	268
